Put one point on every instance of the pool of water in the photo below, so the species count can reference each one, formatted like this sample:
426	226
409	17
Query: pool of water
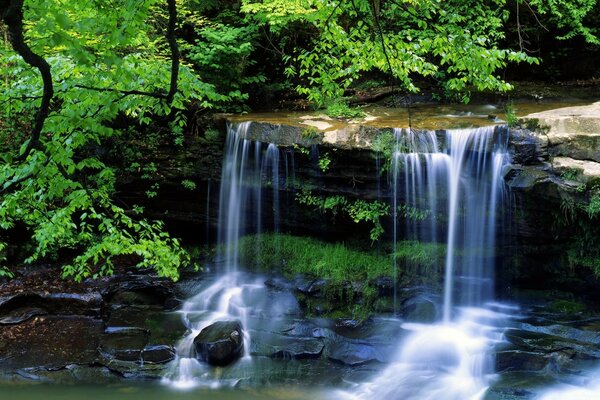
148	391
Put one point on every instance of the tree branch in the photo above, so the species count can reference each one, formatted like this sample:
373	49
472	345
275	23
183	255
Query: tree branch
11	12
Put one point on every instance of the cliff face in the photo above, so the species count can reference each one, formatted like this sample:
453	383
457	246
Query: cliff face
555	164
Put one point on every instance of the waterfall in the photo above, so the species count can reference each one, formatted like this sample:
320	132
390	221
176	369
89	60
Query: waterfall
450	360
248	168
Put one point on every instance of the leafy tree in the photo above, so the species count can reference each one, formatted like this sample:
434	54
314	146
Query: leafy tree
454	42
99	63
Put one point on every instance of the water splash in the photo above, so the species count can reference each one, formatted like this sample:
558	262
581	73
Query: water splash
247	168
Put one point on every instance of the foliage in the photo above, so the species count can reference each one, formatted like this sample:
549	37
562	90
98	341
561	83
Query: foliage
4	272
569	16
384	145
212	135
109	64
454	42
299	255
583	246
427	258
348	273
571	174
593	208
511	116
341	109
357	210
187	184
324	162
310	133
222	55
413	213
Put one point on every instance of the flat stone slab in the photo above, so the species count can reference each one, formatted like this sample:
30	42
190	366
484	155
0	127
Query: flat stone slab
572	132
590	170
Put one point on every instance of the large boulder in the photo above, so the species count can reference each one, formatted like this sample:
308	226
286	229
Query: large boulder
220	343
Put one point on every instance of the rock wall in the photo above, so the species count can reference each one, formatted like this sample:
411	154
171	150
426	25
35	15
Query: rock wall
551	158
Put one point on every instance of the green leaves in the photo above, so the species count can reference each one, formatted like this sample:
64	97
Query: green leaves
108	64
357	210
454	41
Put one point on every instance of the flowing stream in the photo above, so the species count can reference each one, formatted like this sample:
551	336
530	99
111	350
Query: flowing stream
459	183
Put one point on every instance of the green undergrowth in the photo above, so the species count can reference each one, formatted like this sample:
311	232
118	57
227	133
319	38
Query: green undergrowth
340	109
293	255
349	273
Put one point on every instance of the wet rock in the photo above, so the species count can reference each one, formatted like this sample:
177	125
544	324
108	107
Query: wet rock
589	171
353	353
280	284
164	327
158	354
145	290
220	343
419	309
50	342
517	360
276	345
88	304
310	287
124	344
526	147
69	375
572	131
21	315
384	285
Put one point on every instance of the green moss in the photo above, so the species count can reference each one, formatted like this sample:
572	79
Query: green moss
566	306
349	291
311	133
299	255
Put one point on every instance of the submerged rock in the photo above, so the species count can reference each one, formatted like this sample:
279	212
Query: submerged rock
220	343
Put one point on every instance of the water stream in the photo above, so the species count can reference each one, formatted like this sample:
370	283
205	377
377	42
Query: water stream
231	294
461	181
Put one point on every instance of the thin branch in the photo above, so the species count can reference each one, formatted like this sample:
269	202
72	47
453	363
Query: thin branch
535	16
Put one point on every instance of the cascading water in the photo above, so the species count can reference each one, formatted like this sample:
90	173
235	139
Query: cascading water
450	360
247	167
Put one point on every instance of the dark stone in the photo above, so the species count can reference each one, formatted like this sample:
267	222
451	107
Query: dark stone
88	304
49	341
516	360
286	346
419	308
138	290
280	284
21	315
124	344
310	287
158	354
353	353
384	285
220	343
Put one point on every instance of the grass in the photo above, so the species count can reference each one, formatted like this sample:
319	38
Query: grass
340	109
293	255
349	291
